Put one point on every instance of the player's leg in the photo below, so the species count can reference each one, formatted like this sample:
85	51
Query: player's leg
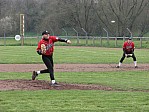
135	60
123	57
47	62
121	60
35	74
51	60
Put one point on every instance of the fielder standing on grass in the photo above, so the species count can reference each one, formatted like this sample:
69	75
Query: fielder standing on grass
46	48
128	51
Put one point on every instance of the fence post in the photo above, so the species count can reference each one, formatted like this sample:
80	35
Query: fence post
129	32
65	31
77	35
86	36
93	41
140	42
107	35
100	41
115	41
123	38
4	39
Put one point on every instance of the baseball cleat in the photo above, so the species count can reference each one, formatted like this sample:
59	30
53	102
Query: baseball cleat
117	66
136	66
55	84
34	75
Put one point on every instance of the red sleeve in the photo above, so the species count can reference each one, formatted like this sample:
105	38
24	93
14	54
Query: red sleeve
54	38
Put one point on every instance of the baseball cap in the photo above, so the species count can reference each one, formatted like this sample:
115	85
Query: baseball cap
45	32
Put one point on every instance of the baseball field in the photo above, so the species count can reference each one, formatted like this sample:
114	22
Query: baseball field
89	81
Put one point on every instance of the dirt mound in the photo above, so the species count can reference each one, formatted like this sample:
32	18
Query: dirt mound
44	85
40	84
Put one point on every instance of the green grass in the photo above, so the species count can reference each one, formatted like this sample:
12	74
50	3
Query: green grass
80	100
120	80
132	80
27	54
73	101
77	100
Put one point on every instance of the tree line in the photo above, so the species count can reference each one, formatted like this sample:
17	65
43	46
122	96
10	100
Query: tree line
116	16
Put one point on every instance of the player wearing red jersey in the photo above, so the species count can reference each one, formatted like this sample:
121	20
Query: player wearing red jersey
128	51
46	49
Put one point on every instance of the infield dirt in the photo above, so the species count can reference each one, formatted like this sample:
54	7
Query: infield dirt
21	84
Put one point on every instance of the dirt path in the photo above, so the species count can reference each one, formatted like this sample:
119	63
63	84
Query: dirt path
71	67
40	84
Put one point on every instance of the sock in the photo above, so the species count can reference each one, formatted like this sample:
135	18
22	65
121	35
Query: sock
53	81
38	72
135	62
119	64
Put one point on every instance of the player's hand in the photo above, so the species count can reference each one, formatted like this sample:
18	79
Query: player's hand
68	42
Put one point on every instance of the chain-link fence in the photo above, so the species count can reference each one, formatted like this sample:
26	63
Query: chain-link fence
140	42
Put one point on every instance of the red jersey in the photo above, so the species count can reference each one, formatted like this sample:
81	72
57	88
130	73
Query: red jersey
128	47
49	43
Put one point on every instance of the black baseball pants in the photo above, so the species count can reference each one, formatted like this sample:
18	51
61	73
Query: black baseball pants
123	57
48	61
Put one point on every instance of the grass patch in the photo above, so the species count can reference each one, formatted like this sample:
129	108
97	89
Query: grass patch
77	100
27	54
73	101
132	80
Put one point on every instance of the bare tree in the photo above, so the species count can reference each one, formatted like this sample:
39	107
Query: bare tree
124	12
80	14
92	15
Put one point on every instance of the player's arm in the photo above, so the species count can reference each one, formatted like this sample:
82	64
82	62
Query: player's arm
55	39
39	48
64	40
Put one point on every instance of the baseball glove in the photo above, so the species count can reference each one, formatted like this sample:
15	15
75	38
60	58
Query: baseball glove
129	55
43	49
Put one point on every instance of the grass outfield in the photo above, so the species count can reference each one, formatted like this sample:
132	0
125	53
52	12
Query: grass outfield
73	101
77	100
80	100
132	80
69	54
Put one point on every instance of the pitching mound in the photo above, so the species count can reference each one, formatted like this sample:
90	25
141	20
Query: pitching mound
44	85
41	85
